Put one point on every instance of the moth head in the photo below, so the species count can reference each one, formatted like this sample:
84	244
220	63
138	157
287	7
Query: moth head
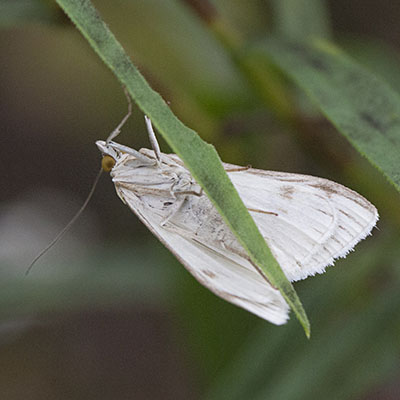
110	155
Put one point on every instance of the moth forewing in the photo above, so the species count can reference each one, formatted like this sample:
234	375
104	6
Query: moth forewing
306	221
225	273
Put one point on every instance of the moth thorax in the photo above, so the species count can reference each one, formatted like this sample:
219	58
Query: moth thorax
107	163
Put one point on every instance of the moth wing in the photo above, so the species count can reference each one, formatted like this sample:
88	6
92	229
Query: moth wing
307	221
225	274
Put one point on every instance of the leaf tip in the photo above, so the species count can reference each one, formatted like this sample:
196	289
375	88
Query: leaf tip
305	323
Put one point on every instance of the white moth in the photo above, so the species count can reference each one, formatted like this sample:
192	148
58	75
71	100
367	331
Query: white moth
306	221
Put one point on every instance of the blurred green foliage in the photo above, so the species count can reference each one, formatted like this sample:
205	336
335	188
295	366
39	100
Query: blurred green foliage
58	99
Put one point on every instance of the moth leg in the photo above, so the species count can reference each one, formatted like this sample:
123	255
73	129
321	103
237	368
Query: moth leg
180	200
153	139
174	210
125	149
117	130
189	192
180	187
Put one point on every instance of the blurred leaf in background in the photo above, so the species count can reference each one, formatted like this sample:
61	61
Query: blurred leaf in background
109	313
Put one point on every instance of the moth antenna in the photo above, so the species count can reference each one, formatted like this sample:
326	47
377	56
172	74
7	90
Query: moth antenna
117	130
153	139
68	226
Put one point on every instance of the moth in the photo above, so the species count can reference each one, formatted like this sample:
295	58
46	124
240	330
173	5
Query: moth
306	221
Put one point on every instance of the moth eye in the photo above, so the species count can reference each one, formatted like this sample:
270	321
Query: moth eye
107	163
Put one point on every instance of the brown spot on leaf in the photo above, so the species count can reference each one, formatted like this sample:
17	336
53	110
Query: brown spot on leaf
372	121
317	63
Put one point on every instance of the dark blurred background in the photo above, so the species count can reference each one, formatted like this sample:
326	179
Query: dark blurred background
108	313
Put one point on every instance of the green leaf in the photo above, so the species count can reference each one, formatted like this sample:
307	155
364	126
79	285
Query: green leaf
17	12
301	19
379	57
361	106
200	158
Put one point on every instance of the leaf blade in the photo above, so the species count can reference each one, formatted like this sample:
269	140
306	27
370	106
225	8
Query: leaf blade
201	158
297	19
361	106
